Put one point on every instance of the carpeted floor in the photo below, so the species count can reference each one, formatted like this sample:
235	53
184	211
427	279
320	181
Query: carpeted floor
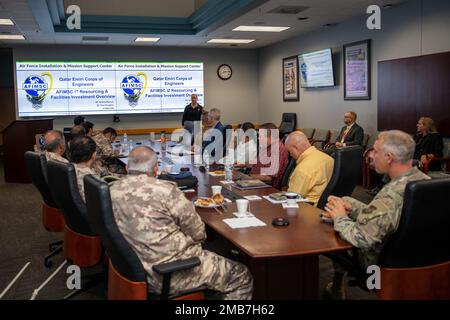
23	239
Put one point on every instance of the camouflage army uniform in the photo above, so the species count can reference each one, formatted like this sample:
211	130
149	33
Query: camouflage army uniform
368	226
81	171
161	226
55	156
103	166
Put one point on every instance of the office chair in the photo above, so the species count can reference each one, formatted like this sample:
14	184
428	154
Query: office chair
321	138
288	124
415	261
287	173
82	245
346	173
127	276
52	217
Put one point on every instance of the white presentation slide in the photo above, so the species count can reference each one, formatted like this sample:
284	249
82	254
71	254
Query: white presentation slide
316	69
57	88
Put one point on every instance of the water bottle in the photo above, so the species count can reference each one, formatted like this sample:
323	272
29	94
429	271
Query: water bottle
163	141
206	160
228	172
125	144
130	145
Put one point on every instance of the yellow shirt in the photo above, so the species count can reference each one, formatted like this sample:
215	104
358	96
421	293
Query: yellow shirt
312	174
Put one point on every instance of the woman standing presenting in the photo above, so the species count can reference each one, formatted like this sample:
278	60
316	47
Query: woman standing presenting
192	112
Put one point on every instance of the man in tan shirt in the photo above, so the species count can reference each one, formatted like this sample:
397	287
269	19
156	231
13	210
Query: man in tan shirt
161	226
83	157
55	146
313	170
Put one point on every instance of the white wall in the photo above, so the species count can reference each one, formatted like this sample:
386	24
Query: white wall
237	97
401	36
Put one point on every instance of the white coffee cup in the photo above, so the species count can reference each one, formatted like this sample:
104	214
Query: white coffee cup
242	205
216	189
291	198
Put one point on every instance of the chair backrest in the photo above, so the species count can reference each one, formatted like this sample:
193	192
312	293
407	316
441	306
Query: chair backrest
321	137
288	123
99	206
333	136
346	173
63	185
36	164
287	173
422	237
366	141
309	132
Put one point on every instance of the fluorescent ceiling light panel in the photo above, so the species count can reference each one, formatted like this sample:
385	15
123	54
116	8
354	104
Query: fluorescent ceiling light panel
11	37
146	39
230	40
260	28
6	22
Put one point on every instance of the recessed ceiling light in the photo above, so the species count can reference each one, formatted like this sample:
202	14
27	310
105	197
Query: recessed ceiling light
302	18
6	22
260	28
330	25
230	40
146	39
11	37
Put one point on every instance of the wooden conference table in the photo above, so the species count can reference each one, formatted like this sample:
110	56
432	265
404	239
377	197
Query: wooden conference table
282	260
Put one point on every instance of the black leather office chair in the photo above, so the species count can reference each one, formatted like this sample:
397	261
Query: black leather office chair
82	245
347	172
288	124
127	276
52	217
415	262
287	173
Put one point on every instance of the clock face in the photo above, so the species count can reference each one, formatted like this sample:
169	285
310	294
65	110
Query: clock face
224	72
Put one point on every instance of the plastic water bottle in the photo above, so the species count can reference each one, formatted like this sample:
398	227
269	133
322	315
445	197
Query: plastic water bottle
130	145
125	139
228	172
206	161
163	141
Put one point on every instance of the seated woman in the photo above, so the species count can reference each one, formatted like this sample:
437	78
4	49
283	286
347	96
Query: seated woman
429	142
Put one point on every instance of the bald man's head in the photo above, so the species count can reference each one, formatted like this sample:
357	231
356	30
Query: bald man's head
296	143
54	142
143	160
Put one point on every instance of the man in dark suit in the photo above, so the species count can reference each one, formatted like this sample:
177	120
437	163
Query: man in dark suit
351	134
216	131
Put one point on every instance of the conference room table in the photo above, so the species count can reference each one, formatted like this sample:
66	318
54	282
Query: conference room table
283	260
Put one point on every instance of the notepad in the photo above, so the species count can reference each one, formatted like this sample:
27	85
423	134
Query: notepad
238	223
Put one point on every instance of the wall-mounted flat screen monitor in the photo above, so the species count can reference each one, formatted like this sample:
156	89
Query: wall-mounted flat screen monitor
316	69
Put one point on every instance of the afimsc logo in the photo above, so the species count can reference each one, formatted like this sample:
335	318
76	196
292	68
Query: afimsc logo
37	88
133	87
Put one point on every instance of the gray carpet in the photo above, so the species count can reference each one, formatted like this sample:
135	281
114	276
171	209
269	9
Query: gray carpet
23	239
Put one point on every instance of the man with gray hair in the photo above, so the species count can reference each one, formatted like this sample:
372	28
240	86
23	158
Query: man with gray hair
161	226
368	226
215	135
55	146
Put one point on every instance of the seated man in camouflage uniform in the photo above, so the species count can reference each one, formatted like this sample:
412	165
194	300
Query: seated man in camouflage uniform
107	162
367	227
55	146
83	156
161	225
